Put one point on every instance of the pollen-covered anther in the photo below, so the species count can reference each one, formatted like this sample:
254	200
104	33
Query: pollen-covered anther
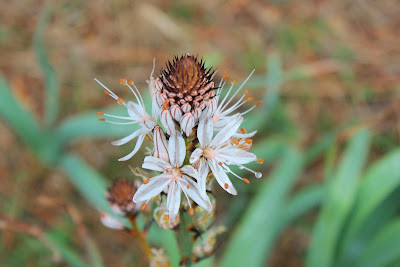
246	180
191	211
101	119
143	206
130	81
220	163
99	113
107	92
226	186
234	81
249	98
165	105
258	102
246	91
166	217
248	141
235	141
146	181
120	100
122	81
188	186
260	160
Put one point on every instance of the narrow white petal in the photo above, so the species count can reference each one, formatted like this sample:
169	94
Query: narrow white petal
173	199
196	154
203	173
128	138
111	222
187	123
139	142
189	170
155	109
176	149
234	155
134	110
160	144
244	135
155	164
221	177
195	193
205	131
227	132
152	188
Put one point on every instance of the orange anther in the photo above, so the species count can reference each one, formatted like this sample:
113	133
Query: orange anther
234	81
120	100
246	91
166	217
143	206
101	119
191	211
147	181
260	160
121	81
236	142
220	163
225	77
243	130
103	215
165	105
106	92
246	180
249	98
99	113
226	186
188	186
130	81
258	102
249	141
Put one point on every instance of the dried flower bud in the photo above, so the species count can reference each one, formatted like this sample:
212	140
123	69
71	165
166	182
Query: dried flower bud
164	221
119	197
207	245
159	259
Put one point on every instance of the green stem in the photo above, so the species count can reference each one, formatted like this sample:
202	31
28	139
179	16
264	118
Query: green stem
185	239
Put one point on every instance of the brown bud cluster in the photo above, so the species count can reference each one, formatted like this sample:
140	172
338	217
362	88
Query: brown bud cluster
186	82
119	197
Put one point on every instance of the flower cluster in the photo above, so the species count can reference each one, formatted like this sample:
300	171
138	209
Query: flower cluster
195	131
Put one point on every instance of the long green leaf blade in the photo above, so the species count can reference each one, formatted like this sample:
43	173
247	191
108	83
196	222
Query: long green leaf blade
260	222
49	75
340	197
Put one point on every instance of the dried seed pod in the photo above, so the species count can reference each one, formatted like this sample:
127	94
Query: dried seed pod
187	83
119	197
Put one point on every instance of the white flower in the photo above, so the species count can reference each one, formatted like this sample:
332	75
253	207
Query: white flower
174	176
136	115
221	115
219	152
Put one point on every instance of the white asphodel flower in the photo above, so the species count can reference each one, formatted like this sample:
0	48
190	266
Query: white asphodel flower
219	152
174	176
136	115
221	114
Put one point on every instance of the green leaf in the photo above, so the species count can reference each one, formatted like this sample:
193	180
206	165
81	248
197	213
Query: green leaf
20	120
338	203
260	223
69	255
302	202
91	184
384	249
50	79
380	180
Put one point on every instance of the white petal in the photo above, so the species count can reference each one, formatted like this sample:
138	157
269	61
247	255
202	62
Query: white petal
205	131
196	154
152	188
155	109
160	144
128	138
227	132
187	123
167	122
246	135
203	173
139	142
111	222
221	177
234	155
173	199
196	194
176	149
155	164
189	170
134	110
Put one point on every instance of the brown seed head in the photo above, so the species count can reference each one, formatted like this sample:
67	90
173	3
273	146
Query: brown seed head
119	196
187	81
